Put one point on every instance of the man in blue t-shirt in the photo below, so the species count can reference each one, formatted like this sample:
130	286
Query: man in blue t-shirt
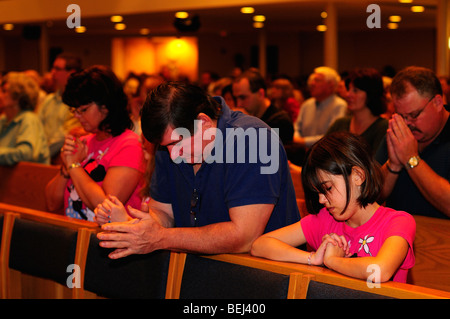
221	178
415	154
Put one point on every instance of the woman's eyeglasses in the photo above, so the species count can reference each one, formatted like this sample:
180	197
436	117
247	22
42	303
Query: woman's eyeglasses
81	110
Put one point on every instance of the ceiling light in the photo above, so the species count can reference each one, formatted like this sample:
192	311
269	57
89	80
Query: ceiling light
395	18
258	25
80	29
144	31
247	10
321	28
116	19
8	27
405	1
324	14
392	26
417	8
259	18
120	26
181	15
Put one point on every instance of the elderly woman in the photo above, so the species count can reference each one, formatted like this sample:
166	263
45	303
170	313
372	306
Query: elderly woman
22	136
366	103
108	161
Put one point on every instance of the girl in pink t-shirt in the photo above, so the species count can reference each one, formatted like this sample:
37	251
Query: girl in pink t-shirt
342	182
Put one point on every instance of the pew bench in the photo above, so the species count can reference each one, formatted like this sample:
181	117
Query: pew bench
176	276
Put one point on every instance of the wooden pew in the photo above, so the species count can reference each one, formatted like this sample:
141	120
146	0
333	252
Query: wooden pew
303	279
432	252
23	272
24	184
331	278
135	276
25	276
297	180
204	278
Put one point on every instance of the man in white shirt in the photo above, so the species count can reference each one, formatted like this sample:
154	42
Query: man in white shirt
321	110
54	114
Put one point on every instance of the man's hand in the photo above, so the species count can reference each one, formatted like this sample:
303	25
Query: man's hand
138	236
401	142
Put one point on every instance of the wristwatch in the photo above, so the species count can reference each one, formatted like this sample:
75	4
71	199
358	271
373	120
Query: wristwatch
413	161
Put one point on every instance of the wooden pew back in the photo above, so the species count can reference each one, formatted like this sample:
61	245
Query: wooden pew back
24	184
432	253
204	278
331	278
296	172
300	276
36	282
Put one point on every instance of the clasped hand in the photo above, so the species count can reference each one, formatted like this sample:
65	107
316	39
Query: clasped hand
111	210
401	142
332	245
139	235
74	150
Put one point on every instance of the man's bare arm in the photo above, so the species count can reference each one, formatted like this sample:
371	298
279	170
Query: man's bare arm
147	234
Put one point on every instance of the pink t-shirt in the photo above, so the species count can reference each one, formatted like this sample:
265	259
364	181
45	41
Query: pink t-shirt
367	239
122	150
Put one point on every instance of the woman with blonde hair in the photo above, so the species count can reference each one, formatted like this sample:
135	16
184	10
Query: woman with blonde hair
22	136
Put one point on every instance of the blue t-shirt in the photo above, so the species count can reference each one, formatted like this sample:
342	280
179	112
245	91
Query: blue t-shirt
242	170
406	195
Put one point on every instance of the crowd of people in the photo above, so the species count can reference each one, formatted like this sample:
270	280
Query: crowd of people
158	164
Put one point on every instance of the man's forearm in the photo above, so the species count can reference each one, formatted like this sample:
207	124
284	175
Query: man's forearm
211	239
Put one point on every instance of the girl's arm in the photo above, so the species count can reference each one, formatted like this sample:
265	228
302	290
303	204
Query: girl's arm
388	259
280	245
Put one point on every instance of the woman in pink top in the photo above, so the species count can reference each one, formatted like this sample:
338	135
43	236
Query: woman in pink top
342	182
108	161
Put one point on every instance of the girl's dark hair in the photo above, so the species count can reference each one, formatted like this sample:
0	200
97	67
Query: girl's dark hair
177	104
100	85
338	153
370	81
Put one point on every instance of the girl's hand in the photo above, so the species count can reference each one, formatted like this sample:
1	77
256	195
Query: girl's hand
341	249
317	257
111	210
330	241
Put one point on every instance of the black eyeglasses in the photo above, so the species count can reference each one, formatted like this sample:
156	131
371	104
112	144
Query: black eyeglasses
413	117
194	201
81	110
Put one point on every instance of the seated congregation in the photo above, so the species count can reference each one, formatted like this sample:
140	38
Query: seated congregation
136	193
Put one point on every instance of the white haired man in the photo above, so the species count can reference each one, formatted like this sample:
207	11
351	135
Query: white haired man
319	111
